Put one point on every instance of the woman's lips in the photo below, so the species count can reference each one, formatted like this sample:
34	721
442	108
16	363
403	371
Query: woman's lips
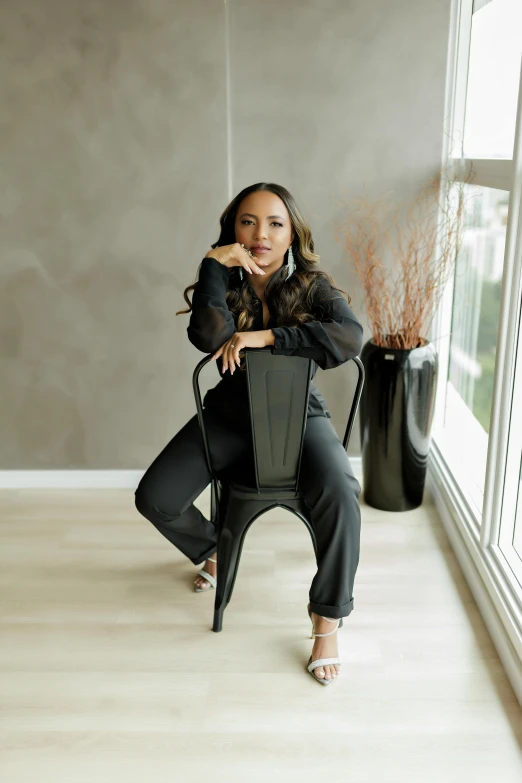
260	250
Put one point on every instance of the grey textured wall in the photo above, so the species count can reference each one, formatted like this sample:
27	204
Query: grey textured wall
118	153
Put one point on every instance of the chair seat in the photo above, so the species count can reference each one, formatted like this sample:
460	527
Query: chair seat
268	493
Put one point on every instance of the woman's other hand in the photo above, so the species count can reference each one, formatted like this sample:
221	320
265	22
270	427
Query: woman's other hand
236	255
230	350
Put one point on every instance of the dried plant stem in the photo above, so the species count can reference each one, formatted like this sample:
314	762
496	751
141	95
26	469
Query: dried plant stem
402	297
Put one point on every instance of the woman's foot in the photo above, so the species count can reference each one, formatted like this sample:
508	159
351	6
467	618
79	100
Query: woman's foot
325	647
211	568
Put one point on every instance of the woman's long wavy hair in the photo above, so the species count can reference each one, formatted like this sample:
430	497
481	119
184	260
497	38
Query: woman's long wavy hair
289	302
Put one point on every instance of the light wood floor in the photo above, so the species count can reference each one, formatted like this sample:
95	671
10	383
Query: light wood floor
109	668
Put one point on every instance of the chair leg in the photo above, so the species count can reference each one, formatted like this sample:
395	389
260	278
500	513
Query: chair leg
219	603
235	522
218	620
227	558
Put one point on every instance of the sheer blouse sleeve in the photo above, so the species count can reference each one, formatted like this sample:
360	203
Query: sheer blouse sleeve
211	322
332	339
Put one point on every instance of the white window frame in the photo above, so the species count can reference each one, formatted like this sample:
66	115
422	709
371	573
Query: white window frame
476	517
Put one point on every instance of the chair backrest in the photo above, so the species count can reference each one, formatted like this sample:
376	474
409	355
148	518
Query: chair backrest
278	388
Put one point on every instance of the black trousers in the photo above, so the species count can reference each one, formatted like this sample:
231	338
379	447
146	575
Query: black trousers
179	474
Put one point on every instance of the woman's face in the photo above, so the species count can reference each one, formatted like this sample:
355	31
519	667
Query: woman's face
263	219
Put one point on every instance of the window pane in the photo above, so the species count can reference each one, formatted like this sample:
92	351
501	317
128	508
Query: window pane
493	80
517	537
476	299
510	532
475	314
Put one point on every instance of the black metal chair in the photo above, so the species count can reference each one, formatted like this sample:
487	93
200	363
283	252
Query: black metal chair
278	388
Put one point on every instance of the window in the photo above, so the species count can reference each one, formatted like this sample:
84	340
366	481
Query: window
476	299
475	314
476	456
493	75
510	528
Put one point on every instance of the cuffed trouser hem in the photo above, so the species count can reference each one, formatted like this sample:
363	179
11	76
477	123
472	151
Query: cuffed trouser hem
334	612
209	553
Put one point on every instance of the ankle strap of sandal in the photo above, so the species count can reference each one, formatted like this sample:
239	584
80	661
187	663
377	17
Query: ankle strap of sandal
325	634
330	620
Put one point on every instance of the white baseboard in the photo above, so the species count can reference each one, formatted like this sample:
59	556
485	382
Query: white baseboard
356	463
90	479
70	479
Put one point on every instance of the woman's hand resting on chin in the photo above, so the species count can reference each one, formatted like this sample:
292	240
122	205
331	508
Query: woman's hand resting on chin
230	350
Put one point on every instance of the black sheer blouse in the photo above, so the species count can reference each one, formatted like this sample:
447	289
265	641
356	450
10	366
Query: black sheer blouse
332	339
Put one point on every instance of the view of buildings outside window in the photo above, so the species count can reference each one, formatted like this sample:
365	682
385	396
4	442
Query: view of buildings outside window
476	301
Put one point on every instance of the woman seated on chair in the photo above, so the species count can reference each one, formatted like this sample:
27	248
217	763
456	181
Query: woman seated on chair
261	285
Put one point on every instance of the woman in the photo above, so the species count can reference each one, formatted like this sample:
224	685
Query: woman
260	285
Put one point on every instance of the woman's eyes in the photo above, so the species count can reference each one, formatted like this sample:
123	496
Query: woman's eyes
274	221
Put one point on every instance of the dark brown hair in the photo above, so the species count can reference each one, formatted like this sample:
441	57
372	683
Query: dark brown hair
290	302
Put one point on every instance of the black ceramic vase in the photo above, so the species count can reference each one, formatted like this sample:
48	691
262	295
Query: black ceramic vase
396	413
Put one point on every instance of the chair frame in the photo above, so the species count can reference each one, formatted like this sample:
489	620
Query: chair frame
218	500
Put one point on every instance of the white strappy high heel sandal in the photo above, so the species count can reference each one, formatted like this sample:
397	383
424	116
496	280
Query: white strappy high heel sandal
323	661
208	577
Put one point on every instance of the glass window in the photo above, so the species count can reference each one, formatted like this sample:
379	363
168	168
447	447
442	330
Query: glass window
493	78
476	298
517	535
475	317
510	533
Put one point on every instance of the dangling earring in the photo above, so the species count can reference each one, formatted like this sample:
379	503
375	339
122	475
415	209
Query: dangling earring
291	262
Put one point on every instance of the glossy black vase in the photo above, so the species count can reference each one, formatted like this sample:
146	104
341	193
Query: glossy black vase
396	414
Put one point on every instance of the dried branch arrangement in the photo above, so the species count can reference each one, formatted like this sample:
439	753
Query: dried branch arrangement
402	296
